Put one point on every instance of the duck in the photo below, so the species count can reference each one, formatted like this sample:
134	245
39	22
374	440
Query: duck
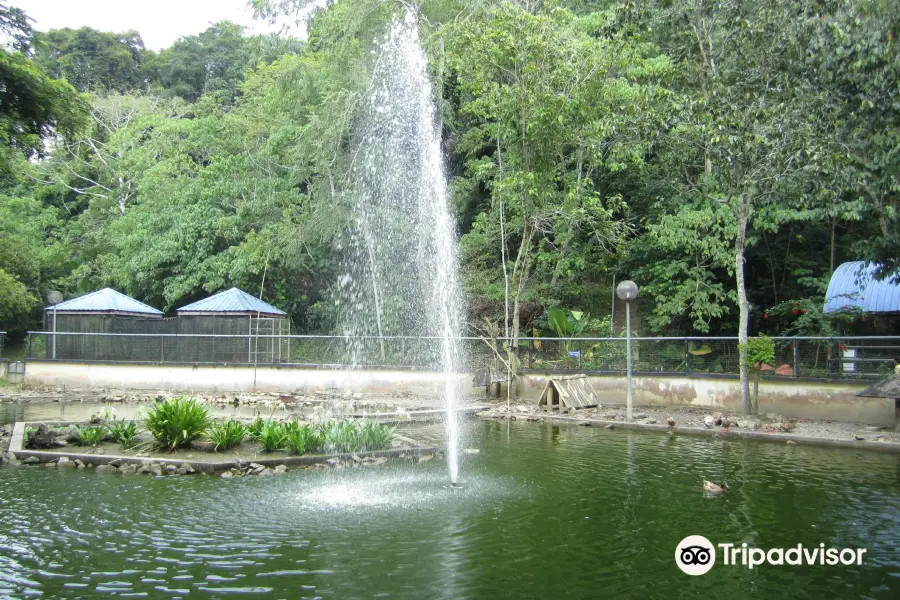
712	488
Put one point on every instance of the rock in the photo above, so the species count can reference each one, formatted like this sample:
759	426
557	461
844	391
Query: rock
128	469
791	443
266	473
146	462
355	458
671	433
858	438
227	475
522	409
79	464
425	458
512	417
32	460
873	428
610	426
170	469
670	422
116	463
280	469
610	417
156	470
786	426
584	423
651	421
181	470
65	463
107	469
379	461
189	468
709	421
333	461
143	470
773	417
44	438
50	464
641	416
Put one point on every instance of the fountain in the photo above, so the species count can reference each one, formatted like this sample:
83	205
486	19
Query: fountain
401	277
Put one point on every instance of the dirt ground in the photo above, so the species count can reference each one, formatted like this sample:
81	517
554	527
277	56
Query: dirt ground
348	403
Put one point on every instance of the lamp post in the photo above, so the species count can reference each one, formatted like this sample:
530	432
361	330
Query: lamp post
54	298
628	291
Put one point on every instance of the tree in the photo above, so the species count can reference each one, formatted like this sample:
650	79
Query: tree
93	60
551	111
33	106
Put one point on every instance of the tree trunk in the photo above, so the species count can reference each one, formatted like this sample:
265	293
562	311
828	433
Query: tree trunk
743	305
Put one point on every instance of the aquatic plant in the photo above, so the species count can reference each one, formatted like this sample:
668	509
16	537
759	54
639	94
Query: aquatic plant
226	434
89	435
355	436
124	432
254	428
301	438
272	436
177	421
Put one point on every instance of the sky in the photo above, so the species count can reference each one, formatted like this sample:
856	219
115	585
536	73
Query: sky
160	22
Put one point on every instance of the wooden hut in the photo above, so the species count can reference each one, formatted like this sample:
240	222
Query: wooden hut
247	322
105	311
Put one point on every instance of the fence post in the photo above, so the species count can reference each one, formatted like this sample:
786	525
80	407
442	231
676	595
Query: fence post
796	346
29	354
162	348
687	356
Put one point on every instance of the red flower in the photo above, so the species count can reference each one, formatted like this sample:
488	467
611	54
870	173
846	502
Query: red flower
795	312
803	311
766	316
794	305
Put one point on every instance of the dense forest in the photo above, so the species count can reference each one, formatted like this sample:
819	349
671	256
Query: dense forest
726	155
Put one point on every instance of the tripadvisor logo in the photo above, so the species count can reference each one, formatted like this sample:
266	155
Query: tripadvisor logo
696	555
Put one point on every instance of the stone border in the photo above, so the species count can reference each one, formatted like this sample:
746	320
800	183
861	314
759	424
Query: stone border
752	435
202	466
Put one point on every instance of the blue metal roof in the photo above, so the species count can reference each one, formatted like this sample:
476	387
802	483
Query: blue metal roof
106	300
232	301
853	286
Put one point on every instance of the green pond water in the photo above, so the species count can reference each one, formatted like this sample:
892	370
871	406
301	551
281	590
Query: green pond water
545	511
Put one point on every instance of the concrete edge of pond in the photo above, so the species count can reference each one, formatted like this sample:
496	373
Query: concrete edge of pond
751	435
202	466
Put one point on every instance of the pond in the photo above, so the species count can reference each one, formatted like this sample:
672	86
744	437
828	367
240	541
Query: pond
544	511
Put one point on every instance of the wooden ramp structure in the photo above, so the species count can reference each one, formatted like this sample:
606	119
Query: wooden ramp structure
568	393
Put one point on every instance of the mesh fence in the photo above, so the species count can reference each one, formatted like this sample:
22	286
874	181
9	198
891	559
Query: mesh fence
2	339
794	357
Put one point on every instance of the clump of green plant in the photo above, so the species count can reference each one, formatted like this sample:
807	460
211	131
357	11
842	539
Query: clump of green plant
254	428
272	436
760	352
355	436
89	435
177	422
124	432
226	434
303	438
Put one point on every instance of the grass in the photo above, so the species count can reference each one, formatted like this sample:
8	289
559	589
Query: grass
177	422
226	434
124	432
90	435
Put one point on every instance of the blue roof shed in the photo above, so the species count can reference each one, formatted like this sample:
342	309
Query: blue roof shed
232	302
853	287
105	301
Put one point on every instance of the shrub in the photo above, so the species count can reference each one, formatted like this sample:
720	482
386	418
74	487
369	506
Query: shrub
124	432
303	438
177	422
89	435
226	434
272	436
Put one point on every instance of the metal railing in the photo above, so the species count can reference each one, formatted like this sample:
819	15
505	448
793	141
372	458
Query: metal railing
814	357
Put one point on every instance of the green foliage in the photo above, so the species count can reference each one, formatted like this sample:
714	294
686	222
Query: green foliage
272	436
760	352
226	433
302	438
124	432
176	422
16	302
89	435
356	436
